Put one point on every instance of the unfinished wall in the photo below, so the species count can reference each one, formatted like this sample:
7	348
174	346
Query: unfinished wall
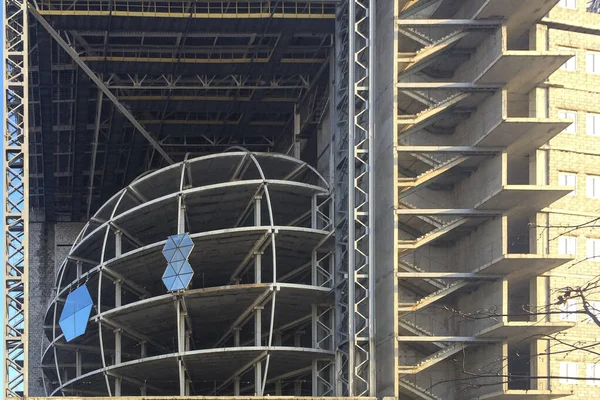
482	246
483	300
49	244
488	115
485	55
385	201
485	181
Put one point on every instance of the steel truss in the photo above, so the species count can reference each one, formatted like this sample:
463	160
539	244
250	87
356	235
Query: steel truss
354	199
178	9
16	197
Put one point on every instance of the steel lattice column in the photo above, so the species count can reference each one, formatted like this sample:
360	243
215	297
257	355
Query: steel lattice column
354	199
16	197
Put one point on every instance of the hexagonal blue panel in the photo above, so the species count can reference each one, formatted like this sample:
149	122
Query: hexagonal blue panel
176	251
74	317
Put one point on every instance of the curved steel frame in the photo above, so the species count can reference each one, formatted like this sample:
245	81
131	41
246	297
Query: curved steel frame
16	196
320	318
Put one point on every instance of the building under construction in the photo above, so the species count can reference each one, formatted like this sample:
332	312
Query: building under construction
342	198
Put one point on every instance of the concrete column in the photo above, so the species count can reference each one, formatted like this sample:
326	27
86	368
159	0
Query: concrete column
539	297
278	388
182	380
143	389
540	364
257	210
78	363
314	209
257	342
117	386
143	349
258	267
118	332
118	243
118	335
257	255
236	386
236	336
79	269
298	338
258	378
296	132
315	379
298	388
236	343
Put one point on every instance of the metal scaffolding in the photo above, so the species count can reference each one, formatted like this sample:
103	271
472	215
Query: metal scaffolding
354	199
16	197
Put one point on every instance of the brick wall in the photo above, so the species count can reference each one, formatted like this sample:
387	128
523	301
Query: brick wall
579	153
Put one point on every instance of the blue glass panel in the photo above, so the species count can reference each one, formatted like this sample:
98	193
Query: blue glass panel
185	279
178	238
75	324
67	326
170	245
168	254
76	300
177	266
178	256
186	250
177	285
186	242
169	281
170	271
81	320
68	309
186	269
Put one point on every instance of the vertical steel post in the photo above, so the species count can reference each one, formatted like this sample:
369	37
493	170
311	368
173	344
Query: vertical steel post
16	197
118	332
181	348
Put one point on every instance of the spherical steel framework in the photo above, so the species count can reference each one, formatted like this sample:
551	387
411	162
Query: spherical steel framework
257	316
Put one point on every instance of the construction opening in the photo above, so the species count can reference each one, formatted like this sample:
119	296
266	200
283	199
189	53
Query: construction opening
308	198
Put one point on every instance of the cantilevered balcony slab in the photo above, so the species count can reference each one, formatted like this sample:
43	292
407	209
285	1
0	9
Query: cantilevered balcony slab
525	395
523	199
522	135
522	70
517	331
520	15
522	266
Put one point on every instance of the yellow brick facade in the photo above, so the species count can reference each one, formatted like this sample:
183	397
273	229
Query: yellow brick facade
579	91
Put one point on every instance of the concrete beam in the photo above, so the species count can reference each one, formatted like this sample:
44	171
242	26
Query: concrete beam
471	23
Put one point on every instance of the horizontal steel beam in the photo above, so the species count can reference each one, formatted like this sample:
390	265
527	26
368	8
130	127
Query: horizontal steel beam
69	50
